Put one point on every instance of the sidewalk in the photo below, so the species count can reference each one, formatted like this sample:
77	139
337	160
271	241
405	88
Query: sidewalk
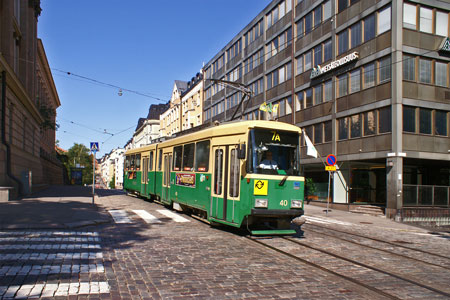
57	207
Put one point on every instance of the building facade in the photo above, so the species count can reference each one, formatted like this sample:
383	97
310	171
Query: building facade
147	131
29	101
367	80
170	120
192	103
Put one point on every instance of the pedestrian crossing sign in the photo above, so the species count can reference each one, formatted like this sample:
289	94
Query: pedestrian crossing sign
94	147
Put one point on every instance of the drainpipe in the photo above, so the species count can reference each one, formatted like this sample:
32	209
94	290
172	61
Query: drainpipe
8	148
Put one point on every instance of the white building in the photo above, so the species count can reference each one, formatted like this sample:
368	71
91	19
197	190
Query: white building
145	133
112	167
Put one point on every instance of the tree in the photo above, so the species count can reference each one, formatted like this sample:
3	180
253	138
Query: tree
79	156
112	183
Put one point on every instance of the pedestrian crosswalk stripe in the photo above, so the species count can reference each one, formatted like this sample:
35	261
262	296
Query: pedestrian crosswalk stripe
33	233
326	221
24	270
49	246
50	256
120	216
149	218
34	291
49	239
173	216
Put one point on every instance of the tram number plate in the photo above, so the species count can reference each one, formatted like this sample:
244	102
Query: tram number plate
284	203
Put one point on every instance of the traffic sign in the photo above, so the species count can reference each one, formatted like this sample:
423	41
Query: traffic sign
330	168
94	147
331	160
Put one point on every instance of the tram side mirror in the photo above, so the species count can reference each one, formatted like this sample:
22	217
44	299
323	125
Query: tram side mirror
241	152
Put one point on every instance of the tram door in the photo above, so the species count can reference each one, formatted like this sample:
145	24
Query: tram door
225	182
166	178
144	177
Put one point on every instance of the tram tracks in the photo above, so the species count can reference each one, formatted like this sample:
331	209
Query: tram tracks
411	253
383	283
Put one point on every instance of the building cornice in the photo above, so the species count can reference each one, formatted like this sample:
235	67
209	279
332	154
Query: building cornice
48	74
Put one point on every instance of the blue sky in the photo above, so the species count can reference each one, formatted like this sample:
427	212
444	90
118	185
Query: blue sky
142	46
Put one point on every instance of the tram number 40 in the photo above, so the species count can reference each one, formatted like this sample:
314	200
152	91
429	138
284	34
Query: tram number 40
284	203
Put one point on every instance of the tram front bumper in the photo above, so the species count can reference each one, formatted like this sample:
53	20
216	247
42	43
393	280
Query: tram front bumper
262	212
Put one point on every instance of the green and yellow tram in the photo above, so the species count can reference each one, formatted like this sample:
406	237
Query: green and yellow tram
242	174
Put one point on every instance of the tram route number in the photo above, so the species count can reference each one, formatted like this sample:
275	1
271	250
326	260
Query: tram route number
284	203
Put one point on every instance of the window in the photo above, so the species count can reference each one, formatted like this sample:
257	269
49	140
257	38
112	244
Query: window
370	123
426	20
234	174
318	94
317	16
369	75
441	23
308	60
327	51
177	158
409	119
327	10
424	70
308	23
218	171
138	162
355	32
440	123
269	81
409	68
385	120
318	55
342	5
150	164
425	121
308	98
288	105
441	74
355	126
300	31
342	42
385	69
328	90
328	131
384	20
188	157
342	85
369	28
299	62
355	81
343	129
299	101
318	133
160	159
409	16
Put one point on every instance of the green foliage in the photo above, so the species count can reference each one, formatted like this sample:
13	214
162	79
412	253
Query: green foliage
80	154
310	187
112	183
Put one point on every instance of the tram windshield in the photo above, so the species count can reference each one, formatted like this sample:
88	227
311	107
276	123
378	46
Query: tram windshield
273	152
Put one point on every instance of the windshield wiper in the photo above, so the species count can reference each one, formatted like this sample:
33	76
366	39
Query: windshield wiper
283	180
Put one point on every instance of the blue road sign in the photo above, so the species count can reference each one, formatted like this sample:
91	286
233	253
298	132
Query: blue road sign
94	147
331	160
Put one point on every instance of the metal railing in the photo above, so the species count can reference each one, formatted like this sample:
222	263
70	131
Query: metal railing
426	195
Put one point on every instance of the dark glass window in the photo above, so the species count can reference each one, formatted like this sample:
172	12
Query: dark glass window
309	98
317	16
327	53
202	156
318	133
160	159
177	158
342	4
127	162
342	42
234	174
385	69
328	131
409	68
318	94
138	162
218	171
369	28
385	120
440	123
308	23
343	129
150	164
425	121
355	126
188	157
409	119
355	35
318	55
370	123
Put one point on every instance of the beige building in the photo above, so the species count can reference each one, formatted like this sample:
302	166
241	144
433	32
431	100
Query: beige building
192	103
170	120
28	102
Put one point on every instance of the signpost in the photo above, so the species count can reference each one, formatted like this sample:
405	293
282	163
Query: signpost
94	149
331	168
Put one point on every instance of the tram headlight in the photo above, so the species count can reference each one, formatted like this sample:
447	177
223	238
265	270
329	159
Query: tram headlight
296	203
260	203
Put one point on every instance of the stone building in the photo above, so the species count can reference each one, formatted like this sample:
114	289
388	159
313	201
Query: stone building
28	102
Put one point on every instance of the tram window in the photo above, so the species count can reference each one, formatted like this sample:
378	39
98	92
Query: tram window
234	174
202	156
127	162
177	158
138	162
188	157
132	160
160	159
150	164
218	158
